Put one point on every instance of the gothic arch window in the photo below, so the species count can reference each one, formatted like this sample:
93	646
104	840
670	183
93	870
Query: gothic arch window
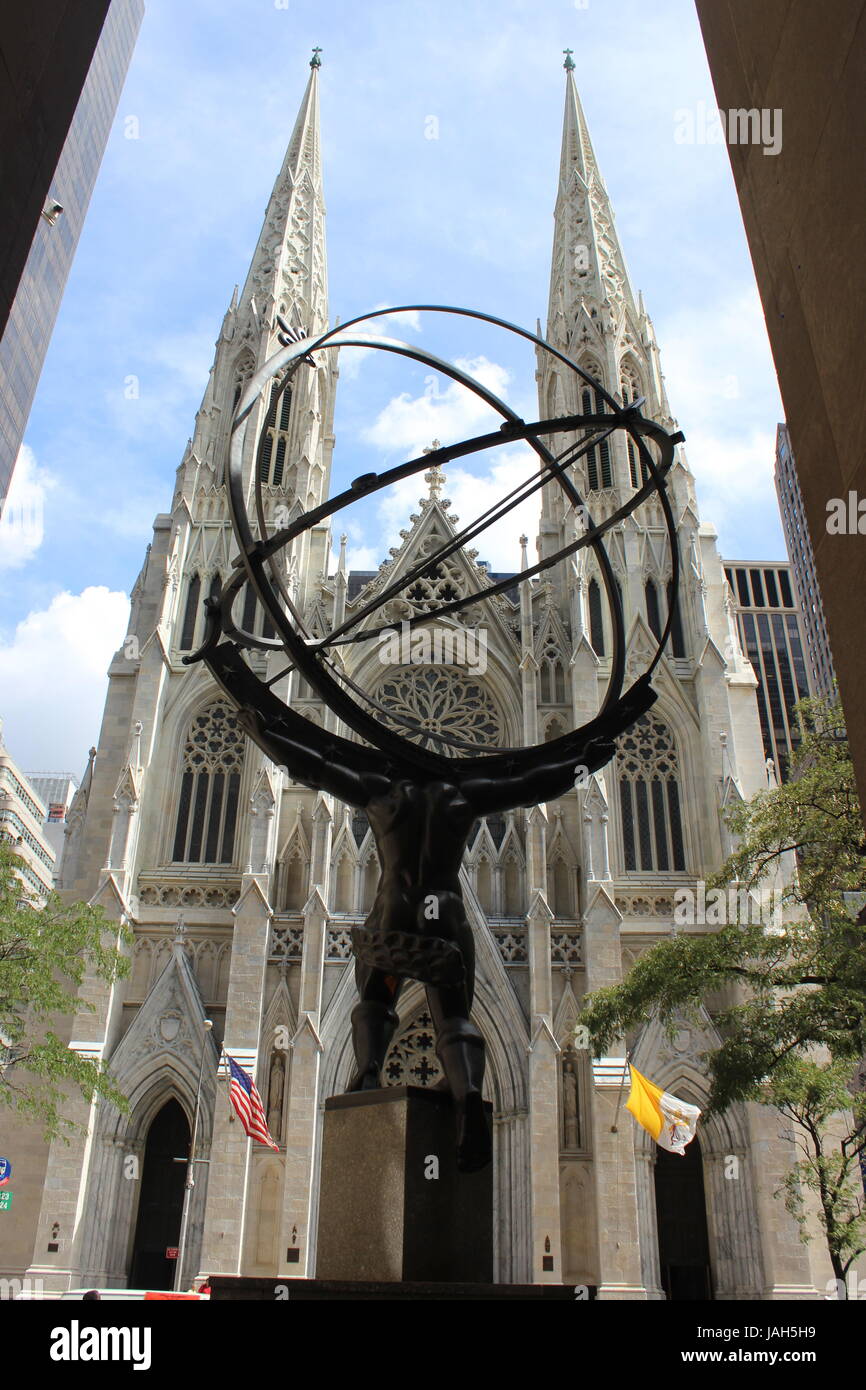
649	794
678	645
244	368
598	466
653	616
560	888
442	700
596	621
190	615
631	391
275	430
512	886
552	677
344	885
484	883
295	883
209	788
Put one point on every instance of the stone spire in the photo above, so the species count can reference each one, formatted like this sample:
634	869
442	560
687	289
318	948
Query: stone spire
288	272
588	265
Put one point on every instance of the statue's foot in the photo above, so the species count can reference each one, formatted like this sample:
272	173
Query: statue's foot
474	1145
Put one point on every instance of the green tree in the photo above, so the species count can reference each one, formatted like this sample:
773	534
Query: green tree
817	1098
794	991
44	954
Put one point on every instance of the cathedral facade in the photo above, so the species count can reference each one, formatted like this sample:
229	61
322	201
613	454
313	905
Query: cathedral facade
241	887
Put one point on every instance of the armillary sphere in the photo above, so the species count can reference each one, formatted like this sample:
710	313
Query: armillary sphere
316	657
421	803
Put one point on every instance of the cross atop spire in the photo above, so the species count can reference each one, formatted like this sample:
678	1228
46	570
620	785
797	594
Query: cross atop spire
569	60
315	61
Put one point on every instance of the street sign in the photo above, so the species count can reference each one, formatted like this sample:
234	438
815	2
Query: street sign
5	1171
171	1252
5	1200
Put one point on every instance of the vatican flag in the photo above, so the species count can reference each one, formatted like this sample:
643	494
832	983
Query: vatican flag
671	1122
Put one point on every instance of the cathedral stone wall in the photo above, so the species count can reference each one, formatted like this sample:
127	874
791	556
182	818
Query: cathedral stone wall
242	886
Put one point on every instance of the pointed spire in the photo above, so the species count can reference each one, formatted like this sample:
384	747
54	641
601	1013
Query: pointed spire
589	268
289	268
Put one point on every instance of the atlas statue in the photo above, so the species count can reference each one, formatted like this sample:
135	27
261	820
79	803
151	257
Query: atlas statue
422	795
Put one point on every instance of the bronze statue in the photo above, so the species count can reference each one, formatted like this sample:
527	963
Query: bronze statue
421	804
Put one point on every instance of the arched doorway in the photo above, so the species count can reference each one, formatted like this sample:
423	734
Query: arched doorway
681	1213
161	1201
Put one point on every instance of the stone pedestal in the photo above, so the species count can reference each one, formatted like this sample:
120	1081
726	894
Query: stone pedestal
392	1205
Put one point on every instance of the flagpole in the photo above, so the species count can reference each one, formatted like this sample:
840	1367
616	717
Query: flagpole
189	1184
628	1056
613	1128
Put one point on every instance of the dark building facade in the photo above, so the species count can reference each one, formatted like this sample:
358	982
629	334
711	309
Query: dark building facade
804	212
38	292
802	557
770	626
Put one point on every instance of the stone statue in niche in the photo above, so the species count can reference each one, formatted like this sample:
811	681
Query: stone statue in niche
276	1083
570	1107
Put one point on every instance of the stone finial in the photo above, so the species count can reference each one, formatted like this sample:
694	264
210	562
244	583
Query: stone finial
434	477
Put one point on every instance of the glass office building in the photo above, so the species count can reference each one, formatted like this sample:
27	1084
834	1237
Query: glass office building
40	290
770	625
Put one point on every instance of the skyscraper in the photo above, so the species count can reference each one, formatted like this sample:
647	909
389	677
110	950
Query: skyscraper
241	886
799	542
770	624
37	300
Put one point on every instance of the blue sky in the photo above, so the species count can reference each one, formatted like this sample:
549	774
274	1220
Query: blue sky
465	218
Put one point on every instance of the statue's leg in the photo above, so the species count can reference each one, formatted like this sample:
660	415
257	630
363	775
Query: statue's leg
374	1019
459	1044
460	1049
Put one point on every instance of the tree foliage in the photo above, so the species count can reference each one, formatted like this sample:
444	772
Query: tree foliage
791	993
44	955
789	987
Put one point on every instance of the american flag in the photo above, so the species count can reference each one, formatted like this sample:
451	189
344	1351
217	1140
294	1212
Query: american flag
248	1104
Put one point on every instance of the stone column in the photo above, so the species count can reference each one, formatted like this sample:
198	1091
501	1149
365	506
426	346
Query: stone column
614	1167
646	1202
296	1252
546	1267
228	1176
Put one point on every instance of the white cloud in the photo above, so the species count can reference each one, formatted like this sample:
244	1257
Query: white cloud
53	677
445	412
719	377
734	480
351	359
471	494
22	524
